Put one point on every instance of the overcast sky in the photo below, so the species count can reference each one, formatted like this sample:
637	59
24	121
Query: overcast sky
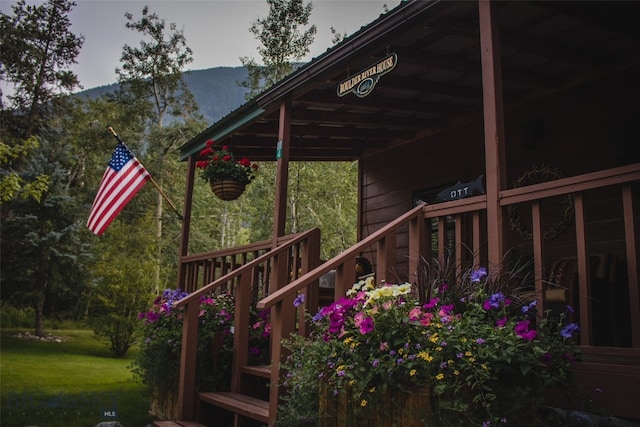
217	31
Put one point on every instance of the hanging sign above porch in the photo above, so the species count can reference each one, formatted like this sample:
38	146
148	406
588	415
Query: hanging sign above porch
362	84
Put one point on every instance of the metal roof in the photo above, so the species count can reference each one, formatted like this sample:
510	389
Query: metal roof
546	46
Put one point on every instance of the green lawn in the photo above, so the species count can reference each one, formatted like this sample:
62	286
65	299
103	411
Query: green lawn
75	383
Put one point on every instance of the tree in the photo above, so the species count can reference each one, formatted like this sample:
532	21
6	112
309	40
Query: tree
12	183
331	206
151	76
282	43
43	255
36	50
123	283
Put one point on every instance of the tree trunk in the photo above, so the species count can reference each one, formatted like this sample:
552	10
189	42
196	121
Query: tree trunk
39	306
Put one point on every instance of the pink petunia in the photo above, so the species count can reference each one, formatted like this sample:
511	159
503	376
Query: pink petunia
415	314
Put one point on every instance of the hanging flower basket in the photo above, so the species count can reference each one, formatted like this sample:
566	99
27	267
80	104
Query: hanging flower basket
227	189
227	175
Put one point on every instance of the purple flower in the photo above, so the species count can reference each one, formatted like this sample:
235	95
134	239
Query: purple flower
478	274
400	361
501	322
522	330
494	301
569	330
375	363
480	341
431	304
298	301
569	309
530	306
366	325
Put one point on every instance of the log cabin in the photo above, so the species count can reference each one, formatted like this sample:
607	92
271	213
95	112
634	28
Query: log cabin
534	104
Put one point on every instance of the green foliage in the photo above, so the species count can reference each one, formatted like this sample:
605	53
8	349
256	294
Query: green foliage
123	282
479	353
12	183
282	43
37	48
43	255
157	364
16	317
152	73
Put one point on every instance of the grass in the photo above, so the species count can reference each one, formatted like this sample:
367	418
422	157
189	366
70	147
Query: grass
75	383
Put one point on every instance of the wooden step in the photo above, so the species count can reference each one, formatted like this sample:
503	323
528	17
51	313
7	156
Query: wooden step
177	424
241	404
259	371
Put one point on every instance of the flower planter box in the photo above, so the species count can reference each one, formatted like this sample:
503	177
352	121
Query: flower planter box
164	406
394	408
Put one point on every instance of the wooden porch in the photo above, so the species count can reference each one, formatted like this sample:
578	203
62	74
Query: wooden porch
474	86
272	278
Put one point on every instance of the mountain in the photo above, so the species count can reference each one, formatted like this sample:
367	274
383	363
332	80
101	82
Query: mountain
216	90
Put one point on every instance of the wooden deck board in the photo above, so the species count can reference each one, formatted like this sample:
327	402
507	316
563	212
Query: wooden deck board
238	403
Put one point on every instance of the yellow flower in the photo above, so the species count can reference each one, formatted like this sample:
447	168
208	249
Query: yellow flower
456	372
348	340
412	372
352	382
483	366
467	353
438	348
400	351
463	339
363	403
372	390
425	356
472	359
440	376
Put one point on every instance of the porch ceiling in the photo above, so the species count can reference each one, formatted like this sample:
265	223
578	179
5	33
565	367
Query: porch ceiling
546	47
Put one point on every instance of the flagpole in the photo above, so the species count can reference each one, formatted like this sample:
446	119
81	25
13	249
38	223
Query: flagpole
155	184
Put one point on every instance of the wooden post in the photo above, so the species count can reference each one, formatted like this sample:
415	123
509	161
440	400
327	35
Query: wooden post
186	223
282	177
187	381
493	131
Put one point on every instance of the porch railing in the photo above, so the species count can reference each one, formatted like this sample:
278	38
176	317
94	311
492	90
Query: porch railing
468	228
464	219
264	274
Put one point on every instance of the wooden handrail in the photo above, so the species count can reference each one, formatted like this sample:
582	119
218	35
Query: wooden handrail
573	184
299	284
187	381
291	240
251	247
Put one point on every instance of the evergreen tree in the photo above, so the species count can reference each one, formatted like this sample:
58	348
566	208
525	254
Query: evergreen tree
36	50
43	255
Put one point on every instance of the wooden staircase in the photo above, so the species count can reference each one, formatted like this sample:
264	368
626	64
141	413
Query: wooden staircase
291	268
251	403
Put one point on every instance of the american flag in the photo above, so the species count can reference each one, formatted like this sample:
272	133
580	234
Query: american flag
121	181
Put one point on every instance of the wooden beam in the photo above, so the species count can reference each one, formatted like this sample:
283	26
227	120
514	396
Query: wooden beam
493	132
282	175
584	276
186	220
631	239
